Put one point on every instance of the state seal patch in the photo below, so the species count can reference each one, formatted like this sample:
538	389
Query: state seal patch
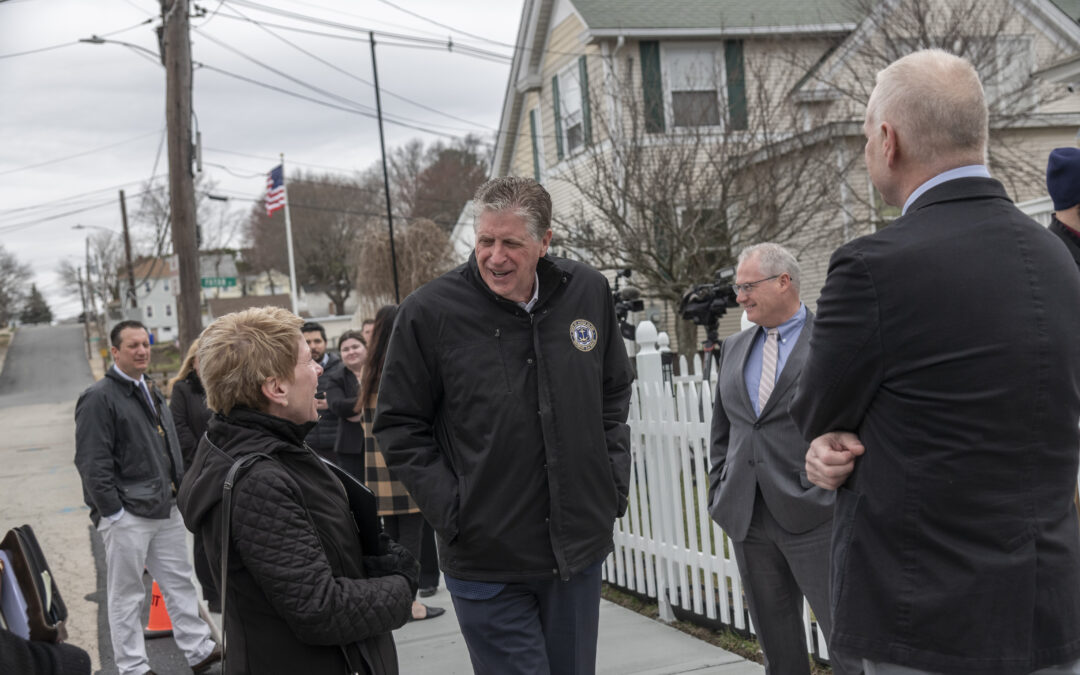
583	335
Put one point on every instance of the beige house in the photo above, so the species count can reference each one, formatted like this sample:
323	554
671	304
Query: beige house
672	135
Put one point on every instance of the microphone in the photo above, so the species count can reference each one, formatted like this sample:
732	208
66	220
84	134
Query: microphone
629	293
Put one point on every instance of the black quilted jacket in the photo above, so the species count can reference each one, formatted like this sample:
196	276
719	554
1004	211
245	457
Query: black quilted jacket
295	595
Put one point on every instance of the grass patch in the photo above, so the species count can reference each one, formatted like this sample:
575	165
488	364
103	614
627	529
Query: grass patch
727	639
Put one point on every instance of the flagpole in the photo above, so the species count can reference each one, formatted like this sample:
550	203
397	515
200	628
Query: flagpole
288	238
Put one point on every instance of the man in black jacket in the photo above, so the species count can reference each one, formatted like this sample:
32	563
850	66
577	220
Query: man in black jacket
128	456
324	435
942	394
502	408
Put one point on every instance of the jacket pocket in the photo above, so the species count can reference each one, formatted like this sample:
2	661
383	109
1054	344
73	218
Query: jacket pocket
143	497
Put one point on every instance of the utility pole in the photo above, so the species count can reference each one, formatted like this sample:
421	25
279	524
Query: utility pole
176	43
127	252
385	173
85	316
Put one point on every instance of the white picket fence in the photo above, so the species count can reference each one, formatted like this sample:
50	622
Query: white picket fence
667	547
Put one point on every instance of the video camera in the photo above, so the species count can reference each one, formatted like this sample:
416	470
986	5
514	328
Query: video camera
704	304
626	300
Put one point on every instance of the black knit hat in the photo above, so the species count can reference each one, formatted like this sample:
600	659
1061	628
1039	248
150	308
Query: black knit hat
1063	177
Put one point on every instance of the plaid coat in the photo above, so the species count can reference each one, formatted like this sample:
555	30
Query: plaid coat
393	498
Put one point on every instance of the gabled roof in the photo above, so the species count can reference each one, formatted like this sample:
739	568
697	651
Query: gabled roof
1070	7
727	14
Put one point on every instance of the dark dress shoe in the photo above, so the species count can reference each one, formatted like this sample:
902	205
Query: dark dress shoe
210	660
428	591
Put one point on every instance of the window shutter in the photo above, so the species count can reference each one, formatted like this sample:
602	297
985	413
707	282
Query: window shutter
558	118
652	86
535	145
586	119
738	117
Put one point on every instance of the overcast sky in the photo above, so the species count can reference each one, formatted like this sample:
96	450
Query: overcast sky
81	121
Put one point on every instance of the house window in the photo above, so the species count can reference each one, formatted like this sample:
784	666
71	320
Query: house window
570	104
166	286
694	81
168	310
149	311
147	286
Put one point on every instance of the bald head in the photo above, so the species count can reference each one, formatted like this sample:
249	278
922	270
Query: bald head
936	103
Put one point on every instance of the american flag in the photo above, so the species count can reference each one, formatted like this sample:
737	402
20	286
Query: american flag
275	190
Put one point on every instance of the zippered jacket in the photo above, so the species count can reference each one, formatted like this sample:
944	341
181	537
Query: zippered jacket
507	427
127	454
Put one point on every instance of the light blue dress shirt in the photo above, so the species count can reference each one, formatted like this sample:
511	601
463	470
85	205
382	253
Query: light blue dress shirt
969	171
789	334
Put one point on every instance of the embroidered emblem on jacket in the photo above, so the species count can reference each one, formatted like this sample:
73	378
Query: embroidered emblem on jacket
583	335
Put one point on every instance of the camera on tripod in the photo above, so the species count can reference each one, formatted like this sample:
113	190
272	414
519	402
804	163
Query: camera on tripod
627	300
704	304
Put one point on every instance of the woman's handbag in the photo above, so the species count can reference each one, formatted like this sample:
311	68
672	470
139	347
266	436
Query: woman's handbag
45	609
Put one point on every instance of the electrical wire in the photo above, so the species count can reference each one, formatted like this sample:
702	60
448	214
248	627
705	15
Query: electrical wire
443	25
346	73
78	154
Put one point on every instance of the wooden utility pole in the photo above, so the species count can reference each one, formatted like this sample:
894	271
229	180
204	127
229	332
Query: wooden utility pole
176	43
127	252
85	316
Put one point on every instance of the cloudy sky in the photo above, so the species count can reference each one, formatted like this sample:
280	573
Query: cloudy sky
79	121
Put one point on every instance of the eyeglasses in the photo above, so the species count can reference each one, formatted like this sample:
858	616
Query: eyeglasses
749	286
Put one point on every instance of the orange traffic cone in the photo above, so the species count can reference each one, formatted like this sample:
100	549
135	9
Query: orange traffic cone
159	624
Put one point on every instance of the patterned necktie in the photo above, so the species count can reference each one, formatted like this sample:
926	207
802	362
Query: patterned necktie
768	368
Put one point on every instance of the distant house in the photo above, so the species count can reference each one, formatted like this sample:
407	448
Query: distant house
156	287
761	85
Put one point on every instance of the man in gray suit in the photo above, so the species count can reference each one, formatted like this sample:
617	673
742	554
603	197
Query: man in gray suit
779	523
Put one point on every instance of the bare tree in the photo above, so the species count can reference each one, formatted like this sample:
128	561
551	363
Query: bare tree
329	215
674	190
423	253
13	278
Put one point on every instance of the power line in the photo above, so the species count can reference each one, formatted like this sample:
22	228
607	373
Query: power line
443	25
62	200
78	154
467	49
355	77
73	42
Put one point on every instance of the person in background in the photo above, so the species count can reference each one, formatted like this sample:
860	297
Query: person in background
323	435
303	595
129	460
341	391
19	656
365	330
401	516
190	414
1063	186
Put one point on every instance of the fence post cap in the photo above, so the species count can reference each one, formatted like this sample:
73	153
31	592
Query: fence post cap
646	334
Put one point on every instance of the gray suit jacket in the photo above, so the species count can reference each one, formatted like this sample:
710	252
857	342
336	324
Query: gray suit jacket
767	451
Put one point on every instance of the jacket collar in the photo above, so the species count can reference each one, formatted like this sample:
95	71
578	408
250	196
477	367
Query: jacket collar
283	429
959	189
549	271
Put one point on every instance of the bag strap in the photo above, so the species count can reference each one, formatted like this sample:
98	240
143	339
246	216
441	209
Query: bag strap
231	479
226	527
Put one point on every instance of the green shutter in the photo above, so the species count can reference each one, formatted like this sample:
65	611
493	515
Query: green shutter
586	118
558	118
738	117
535	145
652	86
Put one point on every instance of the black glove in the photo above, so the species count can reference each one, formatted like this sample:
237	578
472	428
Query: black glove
393	558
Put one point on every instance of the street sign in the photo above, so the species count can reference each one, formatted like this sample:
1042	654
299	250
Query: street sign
218	282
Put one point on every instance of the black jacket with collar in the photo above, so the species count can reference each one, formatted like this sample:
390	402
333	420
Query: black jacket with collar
948	342
509	428
323	435
295	596
127	454
190	414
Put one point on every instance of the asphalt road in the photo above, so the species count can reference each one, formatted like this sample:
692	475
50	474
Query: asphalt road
44	364
44	372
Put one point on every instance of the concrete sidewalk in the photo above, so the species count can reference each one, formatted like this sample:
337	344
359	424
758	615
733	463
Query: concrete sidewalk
630	644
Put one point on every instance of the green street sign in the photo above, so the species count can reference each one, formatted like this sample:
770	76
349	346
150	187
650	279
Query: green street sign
218	282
